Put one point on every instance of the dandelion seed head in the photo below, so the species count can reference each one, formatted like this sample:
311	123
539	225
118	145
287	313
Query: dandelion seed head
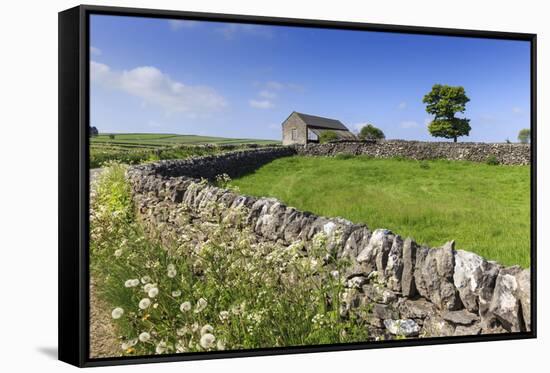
207	329
201	305
161	347
117	313
144	303
118	253
207	341
153	292
172	273
144	337
145	279
220	345
176	293
185	306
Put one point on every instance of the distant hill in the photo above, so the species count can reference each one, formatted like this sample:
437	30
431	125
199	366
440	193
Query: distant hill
159	140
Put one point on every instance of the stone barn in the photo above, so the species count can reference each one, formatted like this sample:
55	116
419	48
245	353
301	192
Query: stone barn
301	128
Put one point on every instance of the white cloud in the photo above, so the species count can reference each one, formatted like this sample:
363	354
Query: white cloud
402	105
267	94
261	104
177	24
517	110
409	124
231	30
95	51
159	89
274	85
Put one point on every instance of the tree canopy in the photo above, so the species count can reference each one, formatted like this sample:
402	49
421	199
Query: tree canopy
443	102
327	136
524	135
371	132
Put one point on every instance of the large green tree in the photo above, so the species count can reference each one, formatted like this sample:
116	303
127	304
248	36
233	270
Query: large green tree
371	132
524	136
444	102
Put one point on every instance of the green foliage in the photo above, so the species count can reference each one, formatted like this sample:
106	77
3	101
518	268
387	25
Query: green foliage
371	132
111	136
524	136
211	278
486	209
327	136
492	160
443	102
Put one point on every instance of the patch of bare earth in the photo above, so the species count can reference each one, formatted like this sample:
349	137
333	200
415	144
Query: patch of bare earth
103	337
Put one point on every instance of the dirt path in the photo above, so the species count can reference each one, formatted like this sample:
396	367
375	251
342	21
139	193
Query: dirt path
103	338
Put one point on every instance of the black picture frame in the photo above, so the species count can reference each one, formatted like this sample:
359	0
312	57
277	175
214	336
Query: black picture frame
73	166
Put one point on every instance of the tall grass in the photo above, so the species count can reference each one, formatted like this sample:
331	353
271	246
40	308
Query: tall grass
485	208
211	287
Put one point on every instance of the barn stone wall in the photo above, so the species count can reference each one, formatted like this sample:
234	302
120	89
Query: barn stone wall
413	290
294	121
508	154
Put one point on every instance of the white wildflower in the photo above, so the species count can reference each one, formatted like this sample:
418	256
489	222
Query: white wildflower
335	274
117	313
131	283
148	287
172	273
201	305
207	341
185	306
161	347
224	315
118	252
220	345
145	279
195	327
176	293
180	347
171	267
207	329
144	337
144	303
153	292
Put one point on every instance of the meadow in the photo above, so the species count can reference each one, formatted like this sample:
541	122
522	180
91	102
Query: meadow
214	288
135	148
484	208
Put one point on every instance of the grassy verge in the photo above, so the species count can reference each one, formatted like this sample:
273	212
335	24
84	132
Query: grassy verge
214	288
485	208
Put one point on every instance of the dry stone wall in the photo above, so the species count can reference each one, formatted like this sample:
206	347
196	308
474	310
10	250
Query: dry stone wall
508	154
412	290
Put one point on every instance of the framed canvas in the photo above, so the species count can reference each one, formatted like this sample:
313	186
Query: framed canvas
235	186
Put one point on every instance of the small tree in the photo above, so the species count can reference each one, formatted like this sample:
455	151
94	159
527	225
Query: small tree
327	136
443	102
524	136
371	132
111	136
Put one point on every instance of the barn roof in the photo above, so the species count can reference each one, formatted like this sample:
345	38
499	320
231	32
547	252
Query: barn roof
321	122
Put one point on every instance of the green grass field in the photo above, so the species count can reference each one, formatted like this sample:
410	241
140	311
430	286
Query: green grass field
485	209
132	148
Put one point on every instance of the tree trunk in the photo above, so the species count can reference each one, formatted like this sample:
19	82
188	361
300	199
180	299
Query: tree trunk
454	139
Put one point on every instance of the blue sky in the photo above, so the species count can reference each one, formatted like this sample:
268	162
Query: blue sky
236	80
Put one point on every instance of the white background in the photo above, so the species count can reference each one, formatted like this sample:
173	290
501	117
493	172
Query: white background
28	182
